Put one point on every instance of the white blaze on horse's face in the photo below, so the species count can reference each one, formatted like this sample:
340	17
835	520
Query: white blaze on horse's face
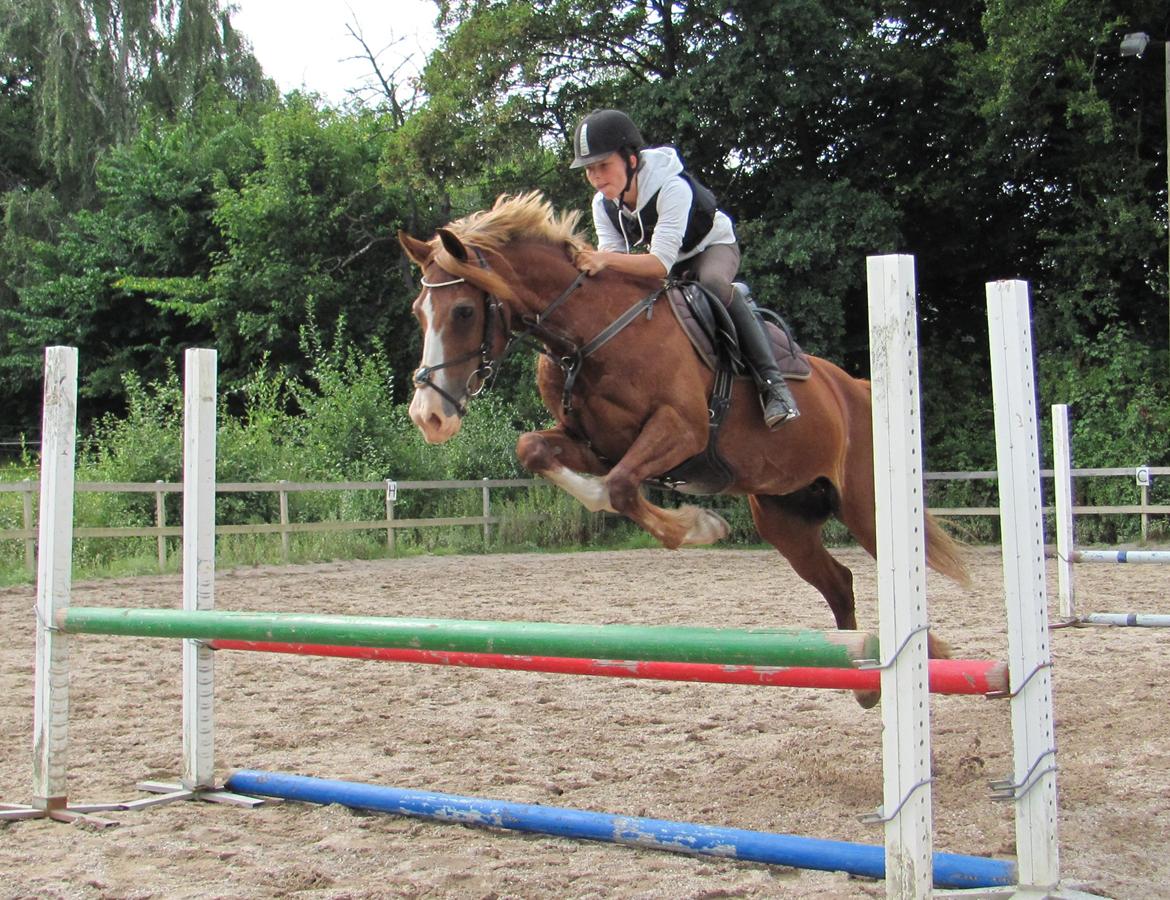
431	413
451	321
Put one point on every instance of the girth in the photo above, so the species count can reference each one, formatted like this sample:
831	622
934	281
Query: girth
707	472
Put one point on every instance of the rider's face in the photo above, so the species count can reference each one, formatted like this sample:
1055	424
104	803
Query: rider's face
608	176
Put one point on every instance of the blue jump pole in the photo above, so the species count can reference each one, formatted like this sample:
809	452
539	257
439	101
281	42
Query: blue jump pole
1121	556
950	870
1143	620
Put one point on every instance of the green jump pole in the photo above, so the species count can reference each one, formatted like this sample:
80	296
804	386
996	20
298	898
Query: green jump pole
754	647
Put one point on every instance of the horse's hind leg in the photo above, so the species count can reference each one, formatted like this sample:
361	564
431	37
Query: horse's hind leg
856	512
792	524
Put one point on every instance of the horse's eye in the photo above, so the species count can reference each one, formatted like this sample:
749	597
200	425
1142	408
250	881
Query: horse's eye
463	313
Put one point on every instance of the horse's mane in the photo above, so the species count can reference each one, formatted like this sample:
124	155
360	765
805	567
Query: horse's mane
525	217
522	217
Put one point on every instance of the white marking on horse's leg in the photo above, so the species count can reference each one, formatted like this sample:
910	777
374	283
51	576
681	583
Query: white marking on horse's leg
589	490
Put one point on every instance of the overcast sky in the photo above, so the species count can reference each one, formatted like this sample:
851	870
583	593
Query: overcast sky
305	44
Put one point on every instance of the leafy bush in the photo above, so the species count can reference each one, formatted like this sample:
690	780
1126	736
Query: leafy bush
1116	390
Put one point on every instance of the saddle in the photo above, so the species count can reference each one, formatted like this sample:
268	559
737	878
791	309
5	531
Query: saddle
708	326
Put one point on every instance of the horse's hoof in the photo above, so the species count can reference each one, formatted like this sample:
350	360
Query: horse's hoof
867	699
708	528
720	525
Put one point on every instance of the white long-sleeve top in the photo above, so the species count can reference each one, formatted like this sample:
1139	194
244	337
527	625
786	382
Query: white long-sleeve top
658	180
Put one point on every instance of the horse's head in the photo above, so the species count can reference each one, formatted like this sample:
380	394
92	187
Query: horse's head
481	272
465	330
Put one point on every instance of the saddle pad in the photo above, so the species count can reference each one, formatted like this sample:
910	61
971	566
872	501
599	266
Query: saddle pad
790	358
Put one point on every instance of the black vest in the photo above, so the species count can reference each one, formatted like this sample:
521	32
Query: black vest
700	217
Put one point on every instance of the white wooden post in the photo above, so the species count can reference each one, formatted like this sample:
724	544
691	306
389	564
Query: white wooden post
1142	476
487	511
901	565
1033	782
198	565
1065	528
54	578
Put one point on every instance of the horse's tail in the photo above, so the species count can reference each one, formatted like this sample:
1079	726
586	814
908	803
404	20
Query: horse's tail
944	553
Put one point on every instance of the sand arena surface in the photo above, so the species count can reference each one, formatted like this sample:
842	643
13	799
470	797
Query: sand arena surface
799	762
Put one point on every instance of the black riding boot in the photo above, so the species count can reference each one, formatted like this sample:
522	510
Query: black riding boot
779	406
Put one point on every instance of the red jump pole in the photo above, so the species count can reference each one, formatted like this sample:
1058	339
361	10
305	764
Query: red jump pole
947	676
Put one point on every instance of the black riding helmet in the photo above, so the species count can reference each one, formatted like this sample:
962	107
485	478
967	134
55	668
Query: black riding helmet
602	132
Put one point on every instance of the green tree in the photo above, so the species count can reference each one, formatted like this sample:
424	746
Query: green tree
1079	132
87	90
94	67
19	162
78	278
309	235
1077	135
224	229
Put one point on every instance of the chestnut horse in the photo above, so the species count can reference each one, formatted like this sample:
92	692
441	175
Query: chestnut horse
637	403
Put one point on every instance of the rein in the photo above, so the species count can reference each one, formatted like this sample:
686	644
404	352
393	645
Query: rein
571	366
570	361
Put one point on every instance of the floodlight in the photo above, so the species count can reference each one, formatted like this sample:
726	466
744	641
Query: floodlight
1134	44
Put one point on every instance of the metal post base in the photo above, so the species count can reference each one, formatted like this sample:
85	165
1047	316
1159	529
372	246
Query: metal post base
1060	892
165	792
72	814
169	791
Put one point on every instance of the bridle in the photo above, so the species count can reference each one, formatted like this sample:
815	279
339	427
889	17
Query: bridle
488	364
569	360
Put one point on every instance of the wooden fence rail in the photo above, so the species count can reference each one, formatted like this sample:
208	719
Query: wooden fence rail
285	528
391	524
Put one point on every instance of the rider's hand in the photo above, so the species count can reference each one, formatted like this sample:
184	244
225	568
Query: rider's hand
591	261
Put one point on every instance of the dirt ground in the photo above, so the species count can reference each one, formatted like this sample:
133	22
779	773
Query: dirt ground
778	759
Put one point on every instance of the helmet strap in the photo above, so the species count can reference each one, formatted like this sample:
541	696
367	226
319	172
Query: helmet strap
631	171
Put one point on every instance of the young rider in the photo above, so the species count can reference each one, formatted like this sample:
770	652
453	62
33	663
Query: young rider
645	198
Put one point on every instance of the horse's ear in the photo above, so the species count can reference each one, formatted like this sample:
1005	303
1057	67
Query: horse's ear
418	251
453	245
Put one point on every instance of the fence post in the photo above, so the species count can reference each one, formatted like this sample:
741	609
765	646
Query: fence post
30	542
160	519
897	461
1032	784
487	511
284	535
1143	480
391	497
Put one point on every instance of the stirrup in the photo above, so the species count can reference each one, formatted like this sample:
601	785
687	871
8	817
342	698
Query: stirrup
778	404
780	413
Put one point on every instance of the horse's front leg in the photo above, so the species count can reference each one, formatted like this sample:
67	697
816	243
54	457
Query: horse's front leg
665	441
567	463
574	468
